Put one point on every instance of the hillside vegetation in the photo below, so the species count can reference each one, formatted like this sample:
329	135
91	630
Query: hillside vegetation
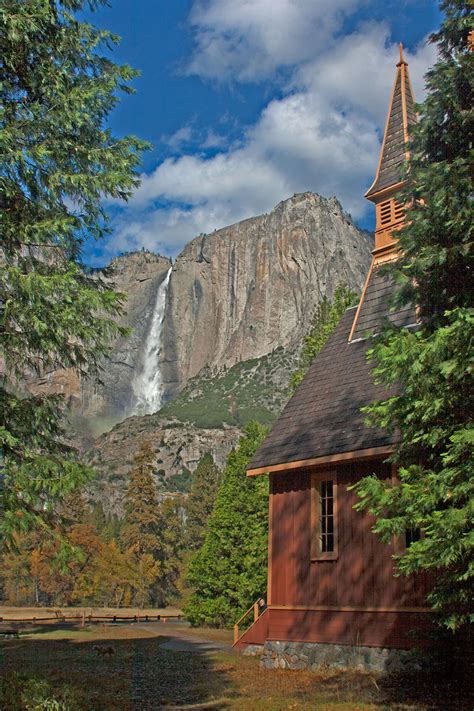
254	389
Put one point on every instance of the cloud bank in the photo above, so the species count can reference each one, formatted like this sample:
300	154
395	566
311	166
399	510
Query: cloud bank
322	132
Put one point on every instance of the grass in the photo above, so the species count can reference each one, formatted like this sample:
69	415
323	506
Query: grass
141	675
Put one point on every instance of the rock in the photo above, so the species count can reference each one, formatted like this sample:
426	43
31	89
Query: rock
255	291
177	446
317	656
253	650
242	294
259	284
138	276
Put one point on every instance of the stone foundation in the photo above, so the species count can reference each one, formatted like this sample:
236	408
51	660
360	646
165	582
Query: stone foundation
253	650
306	655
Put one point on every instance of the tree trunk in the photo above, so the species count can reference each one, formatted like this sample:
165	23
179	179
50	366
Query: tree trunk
119	600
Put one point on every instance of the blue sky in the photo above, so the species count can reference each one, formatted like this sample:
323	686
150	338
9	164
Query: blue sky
249	101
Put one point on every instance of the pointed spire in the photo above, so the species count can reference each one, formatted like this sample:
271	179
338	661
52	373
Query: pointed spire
401	116
402	59
390	213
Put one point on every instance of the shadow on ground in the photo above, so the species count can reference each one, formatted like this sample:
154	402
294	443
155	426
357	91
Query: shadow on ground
147	667
417	692
108	674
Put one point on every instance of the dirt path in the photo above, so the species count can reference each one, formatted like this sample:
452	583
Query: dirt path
182	638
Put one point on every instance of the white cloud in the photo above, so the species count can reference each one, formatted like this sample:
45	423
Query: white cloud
215	192
322	135
356	73
251	39
213	140
179	138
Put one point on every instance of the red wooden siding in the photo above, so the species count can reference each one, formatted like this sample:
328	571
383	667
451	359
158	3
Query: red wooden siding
369	629
361	577
257	633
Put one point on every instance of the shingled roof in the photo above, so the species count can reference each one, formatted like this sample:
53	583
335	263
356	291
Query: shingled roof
375	307
323	417
401	115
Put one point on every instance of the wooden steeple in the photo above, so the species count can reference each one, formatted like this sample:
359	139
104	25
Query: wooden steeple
388	181
389	211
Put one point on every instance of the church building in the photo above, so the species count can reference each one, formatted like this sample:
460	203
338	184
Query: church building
332	594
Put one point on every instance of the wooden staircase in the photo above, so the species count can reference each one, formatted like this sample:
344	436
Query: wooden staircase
254	623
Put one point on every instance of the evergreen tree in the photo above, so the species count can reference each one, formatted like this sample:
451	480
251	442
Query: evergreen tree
97	516
434	409
325	319
173	544
142	523
152	532
229	572
112	531
59	162
142	530
200	501
115	576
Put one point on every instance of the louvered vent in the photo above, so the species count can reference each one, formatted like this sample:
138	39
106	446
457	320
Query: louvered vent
390	212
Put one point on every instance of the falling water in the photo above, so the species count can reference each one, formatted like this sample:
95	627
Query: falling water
147	383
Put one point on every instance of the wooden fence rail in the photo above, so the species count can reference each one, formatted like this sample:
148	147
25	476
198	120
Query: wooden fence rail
92	618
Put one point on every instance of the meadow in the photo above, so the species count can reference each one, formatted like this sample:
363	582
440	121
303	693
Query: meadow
133	667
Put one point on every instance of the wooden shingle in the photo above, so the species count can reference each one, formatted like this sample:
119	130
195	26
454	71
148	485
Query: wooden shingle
324	415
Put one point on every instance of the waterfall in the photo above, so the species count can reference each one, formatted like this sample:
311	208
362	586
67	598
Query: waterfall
147	382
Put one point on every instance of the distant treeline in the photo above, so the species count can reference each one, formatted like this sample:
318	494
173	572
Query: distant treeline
205	550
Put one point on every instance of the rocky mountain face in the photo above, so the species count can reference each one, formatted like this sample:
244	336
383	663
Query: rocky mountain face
231	296
138	276
208	415
214	338
178	448
246	289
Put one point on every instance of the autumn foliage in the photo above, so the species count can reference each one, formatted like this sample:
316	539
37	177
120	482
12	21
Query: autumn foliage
94	558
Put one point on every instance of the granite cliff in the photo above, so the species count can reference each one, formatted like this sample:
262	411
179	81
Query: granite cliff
231	296
214	337
247	289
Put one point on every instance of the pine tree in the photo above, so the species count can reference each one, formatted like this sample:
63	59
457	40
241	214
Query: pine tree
142	522
173	545
434	410
229	571
97	517
325	319
200	501
114	576
152	532
59	162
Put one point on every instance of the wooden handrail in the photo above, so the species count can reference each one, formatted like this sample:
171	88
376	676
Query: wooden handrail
246	613
255	608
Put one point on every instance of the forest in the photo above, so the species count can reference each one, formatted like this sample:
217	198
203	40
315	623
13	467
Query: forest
183	548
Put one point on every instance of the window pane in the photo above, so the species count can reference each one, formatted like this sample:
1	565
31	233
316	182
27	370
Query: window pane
326	516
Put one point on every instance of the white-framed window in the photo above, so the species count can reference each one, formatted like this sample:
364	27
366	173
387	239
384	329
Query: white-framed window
324	533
